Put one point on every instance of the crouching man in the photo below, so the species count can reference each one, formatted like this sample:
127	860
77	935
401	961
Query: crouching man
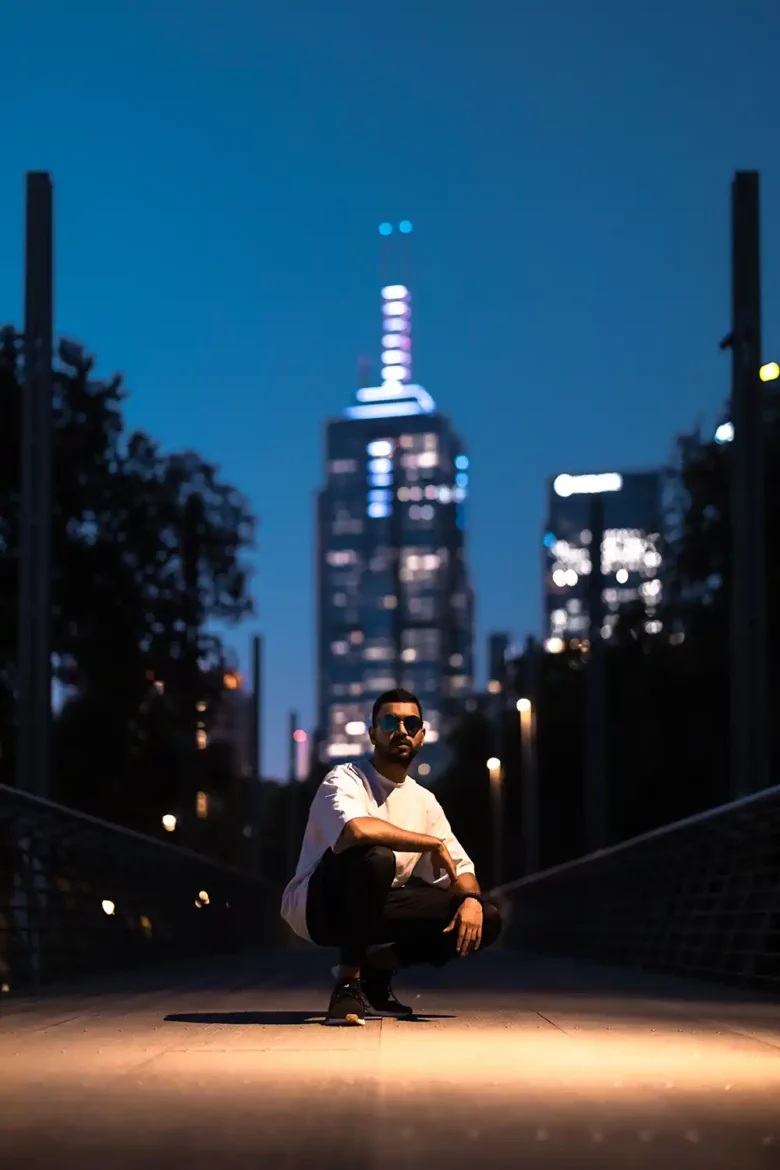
381	875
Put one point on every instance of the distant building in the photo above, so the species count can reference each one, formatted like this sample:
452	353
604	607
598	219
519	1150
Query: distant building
497	654
631	551
395	604
232	725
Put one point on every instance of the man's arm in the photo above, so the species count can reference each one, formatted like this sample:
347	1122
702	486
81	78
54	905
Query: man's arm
467	884
375	831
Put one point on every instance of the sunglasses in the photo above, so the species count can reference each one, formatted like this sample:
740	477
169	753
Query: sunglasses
411	723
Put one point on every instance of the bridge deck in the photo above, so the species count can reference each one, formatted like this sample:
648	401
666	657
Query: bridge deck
514	1061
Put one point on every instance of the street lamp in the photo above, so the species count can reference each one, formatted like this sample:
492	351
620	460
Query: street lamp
769	372
169	822
496	808
530	789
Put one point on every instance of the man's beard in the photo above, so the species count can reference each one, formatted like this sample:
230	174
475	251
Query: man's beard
400	754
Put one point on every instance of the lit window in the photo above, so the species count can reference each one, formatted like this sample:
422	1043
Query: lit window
445	494
388	602
340	599
342	466
377	466
382	481
380	448
394	292
393	357
461	463
621	576
378	511
654	627
409	655
396	309
379	653
456	660
356	637
403	494
339	648
571	578
338	558
378	683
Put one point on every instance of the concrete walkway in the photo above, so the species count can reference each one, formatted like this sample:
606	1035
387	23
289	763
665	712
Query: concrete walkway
514	1061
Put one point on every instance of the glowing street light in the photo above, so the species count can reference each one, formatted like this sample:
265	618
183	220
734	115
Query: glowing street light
494	764
169	822
769	372
108	906
523	705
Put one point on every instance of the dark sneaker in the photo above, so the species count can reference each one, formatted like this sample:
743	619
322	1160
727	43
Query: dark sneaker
378	994
347	1006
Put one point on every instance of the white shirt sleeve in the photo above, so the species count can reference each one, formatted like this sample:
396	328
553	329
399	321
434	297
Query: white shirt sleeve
439	826
339	799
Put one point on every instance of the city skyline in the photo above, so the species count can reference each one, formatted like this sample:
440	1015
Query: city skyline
394	600
216	238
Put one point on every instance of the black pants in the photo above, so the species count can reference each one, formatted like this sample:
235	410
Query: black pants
352	904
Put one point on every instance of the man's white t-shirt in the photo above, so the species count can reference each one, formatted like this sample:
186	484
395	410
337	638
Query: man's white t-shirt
349	791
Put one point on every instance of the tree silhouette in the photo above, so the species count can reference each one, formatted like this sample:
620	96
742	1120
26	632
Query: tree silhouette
147	553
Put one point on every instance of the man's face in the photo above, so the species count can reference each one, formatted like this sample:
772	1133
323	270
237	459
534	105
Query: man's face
392	739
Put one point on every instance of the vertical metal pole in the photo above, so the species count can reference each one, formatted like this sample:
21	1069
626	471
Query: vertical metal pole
497	819
595	684
256	755
529	761
257	707
34	683
292	795
749	737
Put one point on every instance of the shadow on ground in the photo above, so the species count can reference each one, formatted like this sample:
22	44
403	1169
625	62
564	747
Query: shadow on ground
280	1017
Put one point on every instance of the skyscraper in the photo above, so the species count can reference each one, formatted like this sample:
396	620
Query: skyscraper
395	606
631	516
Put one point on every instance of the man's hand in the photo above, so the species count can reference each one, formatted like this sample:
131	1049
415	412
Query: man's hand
441	859
468	920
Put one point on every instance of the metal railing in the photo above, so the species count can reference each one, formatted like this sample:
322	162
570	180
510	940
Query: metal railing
700	897
80	896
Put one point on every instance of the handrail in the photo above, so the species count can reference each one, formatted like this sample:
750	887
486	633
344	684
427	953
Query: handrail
631	842
111	826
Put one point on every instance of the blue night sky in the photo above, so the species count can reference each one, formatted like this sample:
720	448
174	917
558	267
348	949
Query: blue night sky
220	171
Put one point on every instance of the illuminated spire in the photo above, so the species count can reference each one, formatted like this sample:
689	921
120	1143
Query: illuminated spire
396	308
396	334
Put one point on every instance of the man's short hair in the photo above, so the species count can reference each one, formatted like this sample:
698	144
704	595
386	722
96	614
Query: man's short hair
397	695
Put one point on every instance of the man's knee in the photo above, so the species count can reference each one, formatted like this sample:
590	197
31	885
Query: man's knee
491	924
376	861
